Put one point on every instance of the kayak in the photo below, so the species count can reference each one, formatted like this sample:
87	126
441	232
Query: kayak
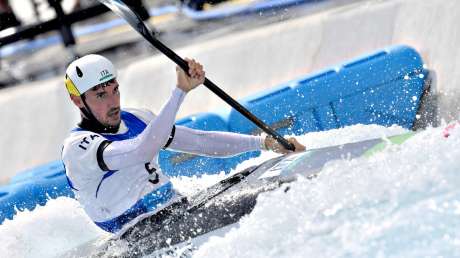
188	222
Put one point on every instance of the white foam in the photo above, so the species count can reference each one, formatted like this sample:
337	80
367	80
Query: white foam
403	202
354	206
48	230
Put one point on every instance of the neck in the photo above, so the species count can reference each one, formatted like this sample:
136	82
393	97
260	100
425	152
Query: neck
96	126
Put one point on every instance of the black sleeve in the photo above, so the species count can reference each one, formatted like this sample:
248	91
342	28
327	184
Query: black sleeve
100	157
171	137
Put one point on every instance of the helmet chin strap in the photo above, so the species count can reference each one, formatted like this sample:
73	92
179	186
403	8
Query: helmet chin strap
90	122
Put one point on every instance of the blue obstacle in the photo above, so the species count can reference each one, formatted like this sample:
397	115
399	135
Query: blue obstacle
382	88
27	194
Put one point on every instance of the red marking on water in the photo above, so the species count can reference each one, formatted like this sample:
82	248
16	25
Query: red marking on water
449	128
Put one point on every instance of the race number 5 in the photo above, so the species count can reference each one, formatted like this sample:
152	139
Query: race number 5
153	172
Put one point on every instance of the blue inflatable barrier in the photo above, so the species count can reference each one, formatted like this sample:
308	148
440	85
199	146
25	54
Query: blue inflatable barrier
30	193
382	88
49	170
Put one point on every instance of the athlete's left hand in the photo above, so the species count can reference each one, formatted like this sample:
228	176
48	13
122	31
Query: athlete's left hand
196	72
274	145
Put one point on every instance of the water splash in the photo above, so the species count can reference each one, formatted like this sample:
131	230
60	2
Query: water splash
402	202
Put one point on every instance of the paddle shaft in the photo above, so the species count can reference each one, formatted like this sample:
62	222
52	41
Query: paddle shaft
140	27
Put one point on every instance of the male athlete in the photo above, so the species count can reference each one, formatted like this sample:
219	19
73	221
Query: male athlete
111	157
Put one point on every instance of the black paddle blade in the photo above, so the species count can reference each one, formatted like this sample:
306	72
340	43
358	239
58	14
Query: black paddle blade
122	10
133	19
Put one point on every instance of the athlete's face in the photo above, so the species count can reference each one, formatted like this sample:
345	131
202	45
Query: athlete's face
104	102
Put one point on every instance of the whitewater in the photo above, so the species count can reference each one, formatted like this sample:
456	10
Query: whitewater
402	202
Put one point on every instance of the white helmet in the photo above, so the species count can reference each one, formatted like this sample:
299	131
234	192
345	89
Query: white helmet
87	72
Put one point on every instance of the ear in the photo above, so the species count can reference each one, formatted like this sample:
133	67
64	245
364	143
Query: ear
77	101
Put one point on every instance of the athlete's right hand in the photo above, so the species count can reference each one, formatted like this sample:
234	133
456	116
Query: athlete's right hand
273	145
196	78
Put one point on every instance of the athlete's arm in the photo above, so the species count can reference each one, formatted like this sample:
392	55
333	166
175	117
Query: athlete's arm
142	149
145	146
214	143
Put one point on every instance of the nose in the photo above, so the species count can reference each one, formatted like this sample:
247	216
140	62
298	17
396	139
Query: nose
114	97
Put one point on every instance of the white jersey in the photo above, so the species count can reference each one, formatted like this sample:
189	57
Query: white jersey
116	177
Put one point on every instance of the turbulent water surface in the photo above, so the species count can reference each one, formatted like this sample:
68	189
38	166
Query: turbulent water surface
402	202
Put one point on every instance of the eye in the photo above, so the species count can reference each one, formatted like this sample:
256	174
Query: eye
101	95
